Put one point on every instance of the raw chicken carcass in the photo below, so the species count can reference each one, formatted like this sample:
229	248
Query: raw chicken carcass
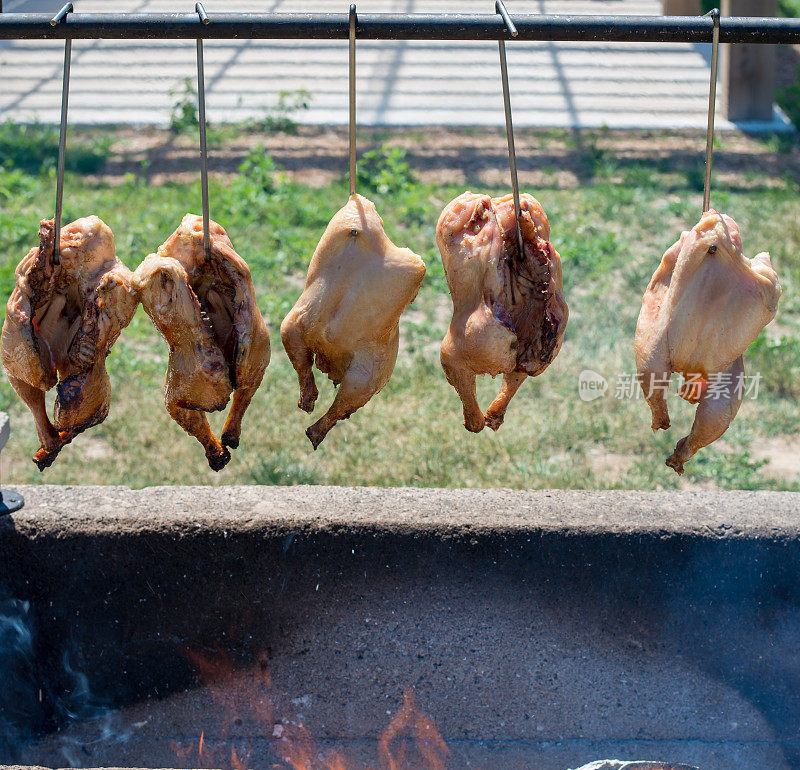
347	317
509	311
61	321
205	308
703	307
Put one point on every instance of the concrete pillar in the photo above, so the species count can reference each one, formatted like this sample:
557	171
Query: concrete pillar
747	72
681	7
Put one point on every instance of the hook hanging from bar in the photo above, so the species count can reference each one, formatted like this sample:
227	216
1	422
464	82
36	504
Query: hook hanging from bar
712	103
201	116
62	136
352	80
512	153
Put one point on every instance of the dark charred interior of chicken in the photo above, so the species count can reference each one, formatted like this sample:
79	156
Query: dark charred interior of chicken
524	305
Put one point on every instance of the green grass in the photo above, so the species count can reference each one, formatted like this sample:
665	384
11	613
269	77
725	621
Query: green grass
611	233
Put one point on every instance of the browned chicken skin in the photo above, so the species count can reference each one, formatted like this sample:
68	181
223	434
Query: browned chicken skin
347	317
205	308
705	304
61	321
509	313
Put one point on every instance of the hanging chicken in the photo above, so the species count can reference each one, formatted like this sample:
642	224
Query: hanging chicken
61	322
703	307
347	317
205	308
509	311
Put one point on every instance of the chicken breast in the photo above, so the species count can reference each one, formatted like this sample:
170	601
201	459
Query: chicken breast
703	307
205	308
346	320
509	311
61	322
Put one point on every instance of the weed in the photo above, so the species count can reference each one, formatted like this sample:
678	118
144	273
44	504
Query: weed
184	115
789	99
736	470
384	171
280	118
259	178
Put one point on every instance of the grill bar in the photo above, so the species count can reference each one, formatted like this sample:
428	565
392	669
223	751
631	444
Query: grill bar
391	26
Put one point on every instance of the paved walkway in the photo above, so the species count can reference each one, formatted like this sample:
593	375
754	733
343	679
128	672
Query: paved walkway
620	85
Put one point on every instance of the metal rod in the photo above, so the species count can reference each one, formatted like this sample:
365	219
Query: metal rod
201	116
712	104
352	77
61	15
396	26
500	8
62	137
512	153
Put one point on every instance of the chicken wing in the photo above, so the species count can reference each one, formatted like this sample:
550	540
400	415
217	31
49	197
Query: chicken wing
205	308
703	307
509	311
61	322
346	320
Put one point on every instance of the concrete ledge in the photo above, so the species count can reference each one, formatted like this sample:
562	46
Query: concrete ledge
56	510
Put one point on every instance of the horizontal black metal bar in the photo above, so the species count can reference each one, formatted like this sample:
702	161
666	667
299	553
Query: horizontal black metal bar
391	26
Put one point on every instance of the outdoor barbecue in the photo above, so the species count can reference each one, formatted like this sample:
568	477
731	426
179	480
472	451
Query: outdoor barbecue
400	594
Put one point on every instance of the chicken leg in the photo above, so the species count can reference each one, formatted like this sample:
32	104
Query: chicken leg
714	414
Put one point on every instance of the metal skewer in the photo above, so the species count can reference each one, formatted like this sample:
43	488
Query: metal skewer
62	137
712	103
352	76
201	115
512	153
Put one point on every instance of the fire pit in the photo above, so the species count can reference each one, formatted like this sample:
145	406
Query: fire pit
230	627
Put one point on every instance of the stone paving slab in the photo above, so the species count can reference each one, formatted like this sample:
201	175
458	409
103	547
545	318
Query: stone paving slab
571	84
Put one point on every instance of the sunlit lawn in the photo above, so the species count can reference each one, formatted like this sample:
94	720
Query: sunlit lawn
611	233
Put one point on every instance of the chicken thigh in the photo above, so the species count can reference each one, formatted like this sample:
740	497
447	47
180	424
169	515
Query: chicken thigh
61	322
509	311
205	308
703	307
346	320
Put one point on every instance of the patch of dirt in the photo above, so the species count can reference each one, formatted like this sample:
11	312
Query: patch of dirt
317	155
610	466
782	453
93	448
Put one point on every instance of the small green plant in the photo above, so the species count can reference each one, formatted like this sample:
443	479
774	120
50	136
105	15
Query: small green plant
384	171
259	176
33	148
184	117
789	8
738	470
279	119
789	100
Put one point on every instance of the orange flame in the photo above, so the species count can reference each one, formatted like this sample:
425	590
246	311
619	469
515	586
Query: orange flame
410	742
409	720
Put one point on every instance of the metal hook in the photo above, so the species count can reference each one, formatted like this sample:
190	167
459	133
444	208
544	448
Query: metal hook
201	110
512	153
712	103
352	77
62	136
